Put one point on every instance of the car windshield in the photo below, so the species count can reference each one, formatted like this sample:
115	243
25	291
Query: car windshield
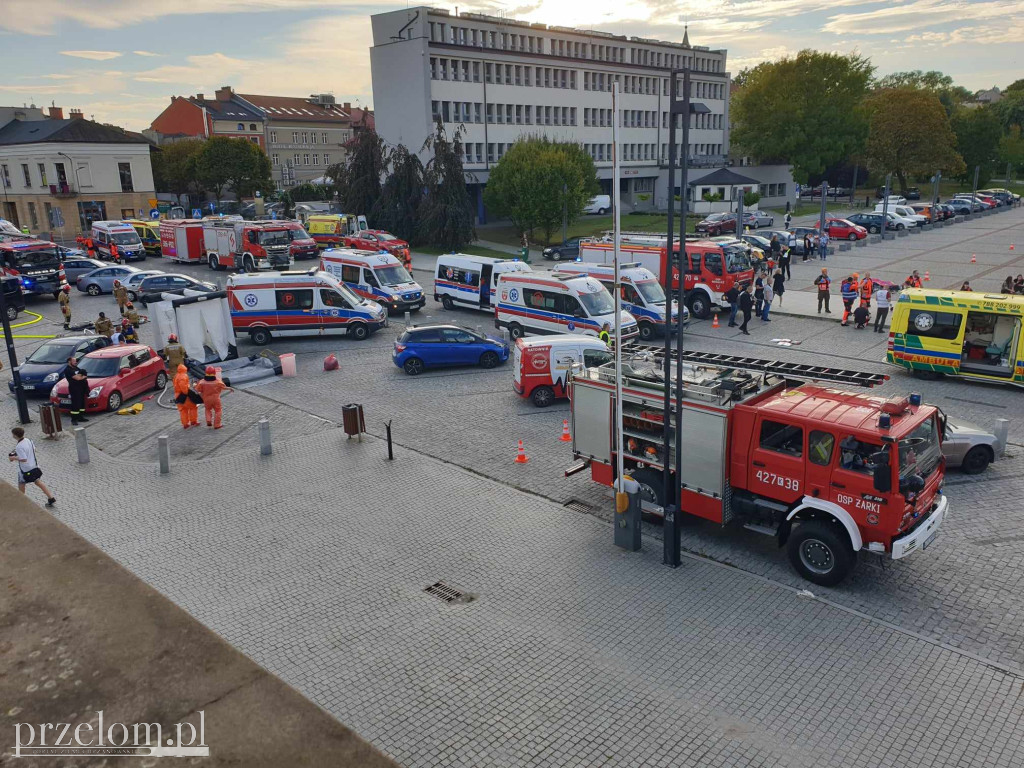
350	295
651	290
298	234
125	238
384	236
716	217
598	303
43	257
50	353
276	237
100	367
843	222
919	451
393	274
760	242
737	260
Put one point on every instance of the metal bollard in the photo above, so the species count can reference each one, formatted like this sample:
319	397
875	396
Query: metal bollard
1002	433
408	318
627	516
82	445
265	447
163	452
505	335
391	452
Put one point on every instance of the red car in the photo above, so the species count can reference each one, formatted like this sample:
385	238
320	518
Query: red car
841	229
717	224
115	375
378	240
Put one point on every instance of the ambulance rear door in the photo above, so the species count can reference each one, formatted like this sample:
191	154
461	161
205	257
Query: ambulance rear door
486	271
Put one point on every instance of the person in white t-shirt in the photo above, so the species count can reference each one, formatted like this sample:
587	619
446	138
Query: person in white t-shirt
24	454
882	302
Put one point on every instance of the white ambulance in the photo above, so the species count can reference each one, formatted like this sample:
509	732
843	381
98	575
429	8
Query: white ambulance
642	294
471	281
376	276
553	302
541	366
117	241
311	303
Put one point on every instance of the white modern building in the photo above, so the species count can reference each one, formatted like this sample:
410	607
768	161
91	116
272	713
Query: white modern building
502	79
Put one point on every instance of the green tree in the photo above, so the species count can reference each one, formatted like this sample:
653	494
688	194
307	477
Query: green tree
397	209
978	132
307	192
950	95
358	177
236	164
539	179
175	167
446	213
1017	86
1011	149
1010	109
910	134
805	110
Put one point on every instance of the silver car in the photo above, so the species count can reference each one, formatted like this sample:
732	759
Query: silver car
102	280
969	447
134	280
75	267
757	219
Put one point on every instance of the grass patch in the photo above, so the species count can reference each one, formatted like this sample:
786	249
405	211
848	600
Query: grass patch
586	226
472	250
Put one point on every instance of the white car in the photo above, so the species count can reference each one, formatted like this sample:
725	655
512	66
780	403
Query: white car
599	204
900	222
909	213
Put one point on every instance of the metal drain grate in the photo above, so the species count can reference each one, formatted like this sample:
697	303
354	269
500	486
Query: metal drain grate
442	591
578	506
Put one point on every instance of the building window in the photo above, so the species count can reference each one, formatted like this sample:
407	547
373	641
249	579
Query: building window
529	114
435	110
295	159
32	215
490	149
313	137
26	174
305	137
255	140
305	159
477	118
316	159
275	160
252	126
124	170
327	159
273	137
42	174
241	126
476	71
295	137
479	152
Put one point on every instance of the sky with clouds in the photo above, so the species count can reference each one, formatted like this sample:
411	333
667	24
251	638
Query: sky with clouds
121	60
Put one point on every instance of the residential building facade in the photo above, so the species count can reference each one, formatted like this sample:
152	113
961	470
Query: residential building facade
504	79
88	171
197	117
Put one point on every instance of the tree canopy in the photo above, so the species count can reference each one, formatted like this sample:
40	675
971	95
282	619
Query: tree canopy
805	110
398	207
978	132
175	167
358	177
240	165
950	95
446	213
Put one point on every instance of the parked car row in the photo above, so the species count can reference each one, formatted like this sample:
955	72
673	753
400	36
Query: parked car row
720	223
144	286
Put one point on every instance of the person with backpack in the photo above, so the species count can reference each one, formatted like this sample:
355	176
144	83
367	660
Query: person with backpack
24	454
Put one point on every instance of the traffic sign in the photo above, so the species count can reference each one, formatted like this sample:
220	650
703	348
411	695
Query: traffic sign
154	213
197	213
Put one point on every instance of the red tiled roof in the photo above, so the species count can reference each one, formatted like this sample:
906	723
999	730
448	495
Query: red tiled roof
295	108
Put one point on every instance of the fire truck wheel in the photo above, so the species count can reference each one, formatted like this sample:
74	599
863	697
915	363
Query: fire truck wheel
646	331
212	261
515	330
93	290
820	552
976	460
652	488
248	264
447	303
358	331
260	337
542	397
700	306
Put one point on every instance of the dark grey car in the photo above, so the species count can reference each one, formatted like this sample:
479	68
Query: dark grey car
153	287
74	268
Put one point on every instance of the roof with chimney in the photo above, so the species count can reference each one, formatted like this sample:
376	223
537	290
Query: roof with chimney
74	130
319	109
231	109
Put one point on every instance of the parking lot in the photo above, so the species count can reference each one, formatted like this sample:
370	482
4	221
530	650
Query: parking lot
454	505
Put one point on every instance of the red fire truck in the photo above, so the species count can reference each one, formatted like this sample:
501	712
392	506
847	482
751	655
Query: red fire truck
182	240
712	268
247	245
828	472
36	263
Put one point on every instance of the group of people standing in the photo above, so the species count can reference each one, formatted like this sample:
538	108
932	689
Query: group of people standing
855	289
755	299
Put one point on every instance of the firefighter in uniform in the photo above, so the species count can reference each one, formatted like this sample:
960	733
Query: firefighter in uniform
604	335
210	388
187	410
131	315
103	325
64	299
78	388
120	296
174	352
128	332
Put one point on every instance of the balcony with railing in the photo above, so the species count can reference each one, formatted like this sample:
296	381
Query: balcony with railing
63	190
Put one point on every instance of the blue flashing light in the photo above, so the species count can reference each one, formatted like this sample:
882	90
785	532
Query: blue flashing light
515	259
915	398
884	421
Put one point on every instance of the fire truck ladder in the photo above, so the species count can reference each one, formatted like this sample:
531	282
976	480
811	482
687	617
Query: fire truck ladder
786	370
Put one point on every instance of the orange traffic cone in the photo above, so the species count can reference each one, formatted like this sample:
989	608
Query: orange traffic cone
566	437
927	277
974	258
521	457
714	323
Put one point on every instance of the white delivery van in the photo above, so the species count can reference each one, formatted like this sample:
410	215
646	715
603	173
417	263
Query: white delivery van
910	217
311	303
461	280
642	294
541	367
376	276
117	241
599	204
554	302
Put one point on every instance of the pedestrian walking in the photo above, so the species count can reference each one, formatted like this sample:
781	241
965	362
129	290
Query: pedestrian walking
174	353
746	306
784	261
120	296
733	297
823	244
24	454
867	286
789	219
103	326
605	334
185	398
210	389
769	294
848	293
64	299
778	285
882	307
824	283
78	388
808	245
758	293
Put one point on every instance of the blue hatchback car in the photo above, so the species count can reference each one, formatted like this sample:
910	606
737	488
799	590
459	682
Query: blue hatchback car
436	346
42	369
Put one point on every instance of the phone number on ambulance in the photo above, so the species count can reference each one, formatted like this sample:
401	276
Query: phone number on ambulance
770	478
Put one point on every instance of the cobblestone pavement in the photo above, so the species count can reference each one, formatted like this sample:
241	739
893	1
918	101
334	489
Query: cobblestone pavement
313	562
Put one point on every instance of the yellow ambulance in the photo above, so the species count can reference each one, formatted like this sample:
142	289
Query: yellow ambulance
330	229
958	333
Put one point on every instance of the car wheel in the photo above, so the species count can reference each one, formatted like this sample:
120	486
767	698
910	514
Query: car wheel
977	460
212	261
602	211
161	381
260	337
700	306
114	401
542	397
489	359
771	222
93	290
900	227
556	256
820	552
358	331
447	303
852	236
515	330
248	264
646	331
873	230
652	486
12	313
413	366
133	296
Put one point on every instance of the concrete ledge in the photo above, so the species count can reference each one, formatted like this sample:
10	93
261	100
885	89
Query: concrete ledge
862	243
889	236
925	227
110	642
915	230
844	246
873	239
958	218
902	233
937	224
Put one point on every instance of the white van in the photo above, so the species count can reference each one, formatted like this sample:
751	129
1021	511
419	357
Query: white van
379	277
599	204
541	367
471	281
117	241
896	200
554	302
642	294
910	217
311	303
